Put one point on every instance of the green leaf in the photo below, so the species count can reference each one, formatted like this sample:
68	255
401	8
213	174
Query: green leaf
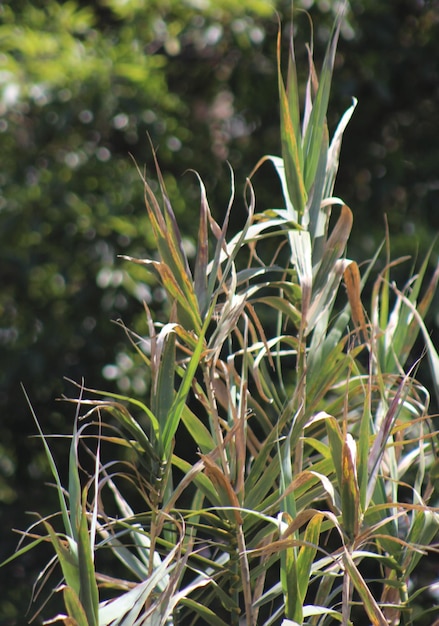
291	144
316	129
74	481
75	608
89	594
202	482
67	558
179	400
370	605
164	366
209	616
350	495
307	554
424	527
198	431
124	415
54	470
335	439
364	449
317	211
202	257
288	558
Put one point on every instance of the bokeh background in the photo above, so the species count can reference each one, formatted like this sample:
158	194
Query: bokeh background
82	86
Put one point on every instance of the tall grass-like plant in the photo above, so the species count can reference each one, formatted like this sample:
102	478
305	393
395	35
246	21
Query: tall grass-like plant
283	469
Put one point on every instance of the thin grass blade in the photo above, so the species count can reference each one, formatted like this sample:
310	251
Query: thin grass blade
89	595
316	128
54	471
370	605
75	609
291	145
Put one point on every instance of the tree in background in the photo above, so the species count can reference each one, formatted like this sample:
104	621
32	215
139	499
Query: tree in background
81	88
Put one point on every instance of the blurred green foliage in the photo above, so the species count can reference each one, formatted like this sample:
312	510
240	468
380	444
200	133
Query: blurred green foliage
82	85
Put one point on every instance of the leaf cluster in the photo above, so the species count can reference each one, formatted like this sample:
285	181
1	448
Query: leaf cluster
284	467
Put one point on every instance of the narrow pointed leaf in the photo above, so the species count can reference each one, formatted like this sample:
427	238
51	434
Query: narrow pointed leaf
350	495
179	400
291	151
364	449
370	605
54	471
75	608
307	554
318	213
89	594
66	558
207	615
317	122
198	431
292	88
202	258
334	248
334	150
164	369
